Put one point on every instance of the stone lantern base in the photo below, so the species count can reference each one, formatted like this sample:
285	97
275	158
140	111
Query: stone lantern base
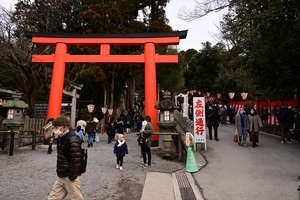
13	125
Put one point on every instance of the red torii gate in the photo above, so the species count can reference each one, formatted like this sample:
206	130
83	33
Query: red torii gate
61	41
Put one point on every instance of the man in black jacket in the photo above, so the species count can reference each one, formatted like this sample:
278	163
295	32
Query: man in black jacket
212	121
68	162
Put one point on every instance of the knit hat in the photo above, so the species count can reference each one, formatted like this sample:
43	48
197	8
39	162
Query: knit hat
61	120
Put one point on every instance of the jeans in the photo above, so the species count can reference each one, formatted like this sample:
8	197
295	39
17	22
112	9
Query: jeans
91	137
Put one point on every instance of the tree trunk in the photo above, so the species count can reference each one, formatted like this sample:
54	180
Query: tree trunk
111	105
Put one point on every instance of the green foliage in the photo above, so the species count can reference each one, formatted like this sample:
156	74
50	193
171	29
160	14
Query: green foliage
270	42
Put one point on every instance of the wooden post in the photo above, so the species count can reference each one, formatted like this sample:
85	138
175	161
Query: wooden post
74	96
12	138
33	140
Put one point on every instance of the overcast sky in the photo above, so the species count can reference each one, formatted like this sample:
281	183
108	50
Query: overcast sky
199	31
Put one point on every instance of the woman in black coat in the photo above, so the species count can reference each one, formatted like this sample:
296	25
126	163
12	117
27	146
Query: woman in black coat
110	131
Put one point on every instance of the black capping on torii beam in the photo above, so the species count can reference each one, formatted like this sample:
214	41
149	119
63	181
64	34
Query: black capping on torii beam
180	34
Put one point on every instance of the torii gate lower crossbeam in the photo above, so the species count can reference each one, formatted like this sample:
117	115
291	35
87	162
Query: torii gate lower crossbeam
61	57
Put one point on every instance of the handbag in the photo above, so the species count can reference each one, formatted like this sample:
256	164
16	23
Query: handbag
97	137
140	140
235	136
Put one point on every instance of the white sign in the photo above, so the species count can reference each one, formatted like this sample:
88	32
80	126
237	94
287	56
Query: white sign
91	108
199	119
110	111
104	110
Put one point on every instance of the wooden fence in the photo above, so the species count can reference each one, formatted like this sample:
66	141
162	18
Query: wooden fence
31	125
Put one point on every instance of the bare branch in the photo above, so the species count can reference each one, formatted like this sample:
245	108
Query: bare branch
203	9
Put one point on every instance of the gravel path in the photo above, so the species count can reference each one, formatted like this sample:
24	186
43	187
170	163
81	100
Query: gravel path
31	174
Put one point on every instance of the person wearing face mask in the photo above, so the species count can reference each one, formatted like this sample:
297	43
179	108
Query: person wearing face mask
254	125
242	125
68	162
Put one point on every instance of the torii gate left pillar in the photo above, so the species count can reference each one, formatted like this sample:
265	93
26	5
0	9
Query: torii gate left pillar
149	58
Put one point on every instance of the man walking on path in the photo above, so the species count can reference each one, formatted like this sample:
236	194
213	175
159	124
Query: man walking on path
68	162
90	129
285	118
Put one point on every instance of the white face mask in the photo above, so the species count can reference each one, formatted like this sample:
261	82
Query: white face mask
57	132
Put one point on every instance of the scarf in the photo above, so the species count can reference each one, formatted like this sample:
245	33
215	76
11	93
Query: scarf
120	143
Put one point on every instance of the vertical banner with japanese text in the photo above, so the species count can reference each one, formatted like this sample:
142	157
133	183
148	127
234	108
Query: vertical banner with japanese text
199	119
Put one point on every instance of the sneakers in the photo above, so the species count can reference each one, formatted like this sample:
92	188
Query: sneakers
121	168
117	166
282	142
289	142
146	166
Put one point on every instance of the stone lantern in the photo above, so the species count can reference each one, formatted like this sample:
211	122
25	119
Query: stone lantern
14	118
166	119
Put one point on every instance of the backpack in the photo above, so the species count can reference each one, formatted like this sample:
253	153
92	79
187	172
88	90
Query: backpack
280	115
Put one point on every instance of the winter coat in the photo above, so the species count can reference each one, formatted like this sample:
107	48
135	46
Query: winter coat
68	156
215	118
147	134
223	111
91	127
127	123
254	122
119	126
110	130
208	116
238	124
138	124
80	135
120	151
230	111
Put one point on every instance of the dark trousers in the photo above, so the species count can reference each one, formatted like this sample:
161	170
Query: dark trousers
285	128
146	150
231	119
215	126
120	160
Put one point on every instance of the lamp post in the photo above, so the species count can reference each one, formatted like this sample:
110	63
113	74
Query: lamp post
244	96
91	108
104	110
110	112
231	96
258	98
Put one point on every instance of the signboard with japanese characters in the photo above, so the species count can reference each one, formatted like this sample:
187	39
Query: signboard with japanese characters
199	120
